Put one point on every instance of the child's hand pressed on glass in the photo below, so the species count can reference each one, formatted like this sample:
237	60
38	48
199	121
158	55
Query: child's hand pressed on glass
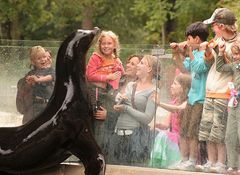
155	97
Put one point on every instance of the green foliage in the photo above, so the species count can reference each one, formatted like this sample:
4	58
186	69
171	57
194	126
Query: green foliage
9	9
25	16
135	21
233	5
187	12
156	13
33	17
119	17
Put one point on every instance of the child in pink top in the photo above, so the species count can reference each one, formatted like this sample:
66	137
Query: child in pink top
166	152
104	66
103	73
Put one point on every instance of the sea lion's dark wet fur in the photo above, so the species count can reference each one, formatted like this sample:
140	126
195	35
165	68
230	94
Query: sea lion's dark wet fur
64	126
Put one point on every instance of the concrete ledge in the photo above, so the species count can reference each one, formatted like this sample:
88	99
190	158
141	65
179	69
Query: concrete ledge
128	170
73	169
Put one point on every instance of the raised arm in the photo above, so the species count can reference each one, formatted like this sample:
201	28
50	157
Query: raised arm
143	117
221	66
179	52
172	108
46	78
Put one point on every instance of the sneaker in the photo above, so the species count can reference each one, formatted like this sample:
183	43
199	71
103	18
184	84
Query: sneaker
219	168
188	166
204	168
177	165
232	171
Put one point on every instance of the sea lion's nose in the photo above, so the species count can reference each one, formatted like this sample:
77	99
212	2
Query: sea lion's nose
96	30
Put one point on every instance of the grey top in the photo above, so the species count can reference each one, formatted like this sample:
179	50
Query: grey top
131	118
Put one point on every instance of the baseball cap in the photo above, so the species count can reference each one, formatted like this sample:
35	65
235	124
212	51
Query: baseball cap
223	16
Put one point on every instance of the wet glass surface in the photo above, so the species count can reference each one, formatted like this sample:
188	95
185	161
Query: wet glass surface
14	64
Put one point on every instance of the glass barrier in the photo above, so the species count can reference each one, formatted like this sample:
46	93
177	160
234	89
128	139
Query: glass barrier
123	146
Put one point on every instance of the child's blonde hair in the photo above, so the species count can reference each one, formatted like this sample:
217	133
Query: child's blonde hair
35	51
115	39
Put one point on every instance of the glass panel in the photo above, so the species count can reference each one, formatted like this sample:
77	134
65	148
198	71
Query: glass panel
133	147
115	143
15	64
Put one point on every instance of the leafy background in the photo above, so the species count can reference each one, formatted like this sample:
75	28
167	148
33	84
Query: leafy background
135	21
140	24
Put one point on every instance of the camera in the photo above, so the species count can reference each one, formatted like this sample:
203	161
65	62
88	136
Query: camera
96	106
121	101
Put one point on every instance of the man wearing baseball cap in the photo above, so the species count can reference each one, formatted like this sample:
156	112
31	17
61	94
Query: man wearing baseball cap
223	16
214	117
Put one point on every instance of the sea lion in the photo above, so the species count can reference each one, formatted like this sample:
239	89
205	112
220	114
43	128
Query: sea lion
64	127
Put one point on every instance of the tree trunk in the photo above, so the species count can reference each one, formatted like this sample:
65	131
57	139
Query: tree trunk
163	35
6	30
15	32
87	18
